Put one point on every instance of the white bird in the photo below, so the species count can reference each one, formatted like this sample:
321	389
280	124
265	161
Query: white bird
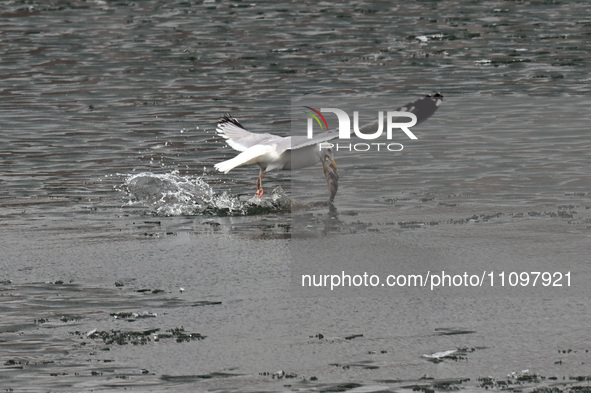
272	152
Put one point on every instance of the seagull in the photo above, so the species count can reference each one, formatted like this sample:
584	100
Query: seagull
271	152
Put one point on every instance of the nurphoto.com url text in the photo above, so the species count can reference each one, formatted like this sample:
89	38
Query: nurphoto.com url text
435	280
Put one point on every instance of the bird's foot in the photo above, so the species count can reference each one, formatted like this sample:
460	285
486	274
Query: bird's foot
259	192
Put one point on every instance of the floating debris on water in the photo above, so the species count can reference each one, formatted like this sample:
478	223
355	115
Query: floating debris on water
453	331
141	337
351	337
132	316
439	356
439	384
147	290
451	354
206	303
196	378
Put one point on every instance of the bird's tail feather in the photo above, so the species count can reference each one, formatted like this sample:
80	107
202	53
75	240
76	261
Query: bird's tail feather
252	155
226	166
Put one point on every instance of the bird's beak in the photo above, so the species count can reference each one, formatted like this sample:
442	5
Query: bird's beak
332	177
332	162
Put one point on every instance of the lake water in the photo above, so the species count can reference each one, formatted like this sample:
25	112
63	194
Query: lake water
129	263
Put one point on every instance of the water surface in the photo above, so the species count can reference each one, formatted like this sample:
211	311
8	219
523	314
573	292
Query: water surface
129	263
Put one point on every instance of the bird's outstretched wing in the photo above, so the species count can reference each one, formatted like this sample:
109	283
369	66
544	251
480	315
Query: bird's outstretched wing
422	108
265	150
238	138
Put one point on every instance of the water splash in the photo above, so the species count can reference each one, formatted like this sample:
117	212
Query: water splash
172	194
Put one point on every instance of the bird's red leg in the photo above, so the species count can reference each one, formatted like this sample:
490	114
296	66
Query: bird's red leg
260	184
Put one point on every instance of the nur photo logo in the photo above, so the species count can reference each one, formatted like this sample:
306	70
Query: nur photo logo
388	122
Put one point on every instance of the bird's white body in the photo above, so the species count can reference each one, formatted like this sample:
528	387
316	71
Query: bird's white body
304	157
269	152
268	158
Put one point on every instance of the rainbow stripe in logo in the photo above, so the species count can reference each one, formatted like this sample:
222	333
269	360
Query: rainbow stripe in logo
314	113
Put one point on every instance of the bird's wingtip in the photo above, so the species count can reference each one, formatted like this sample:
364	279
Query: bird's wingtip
228	119
437	97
